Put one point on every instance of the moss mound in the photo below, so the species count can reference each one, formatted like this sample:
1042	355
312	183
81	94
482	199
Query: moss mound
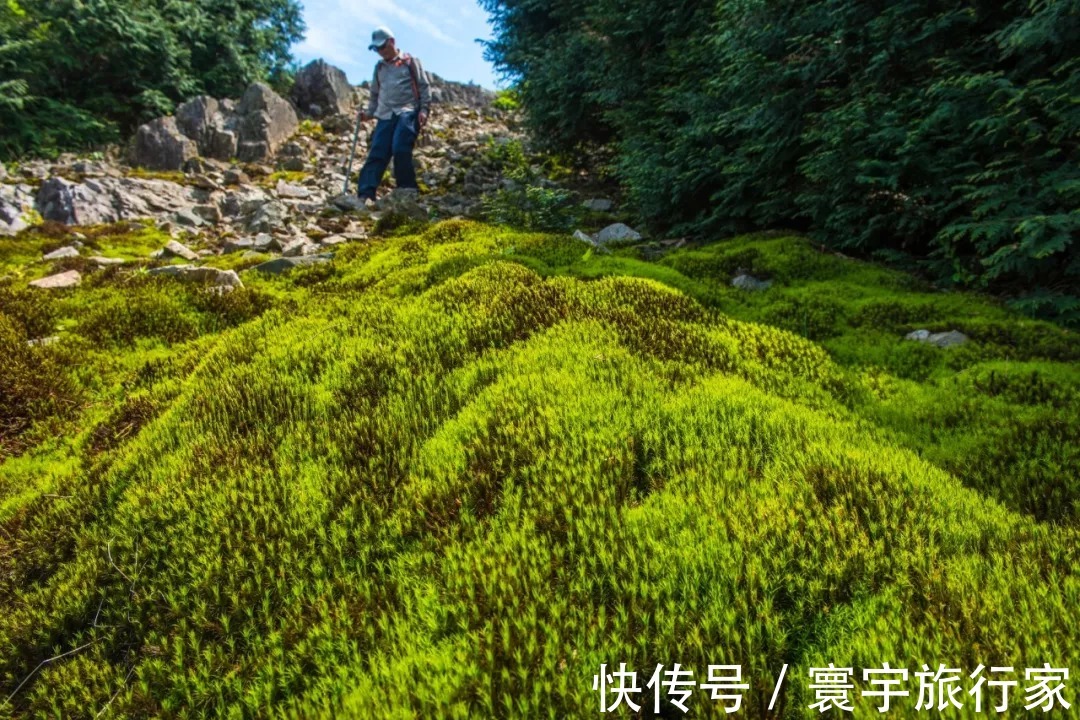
455	472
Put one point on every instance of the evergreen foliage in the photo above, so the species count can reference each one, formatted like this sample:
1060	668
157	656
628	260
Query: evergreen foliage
945	133
77	73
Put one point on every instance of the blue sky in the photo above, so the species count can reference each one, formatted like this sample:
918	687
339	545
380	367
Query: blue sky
441	33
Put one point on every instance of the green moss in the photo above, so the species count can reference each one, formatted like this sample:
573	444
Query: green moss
488	461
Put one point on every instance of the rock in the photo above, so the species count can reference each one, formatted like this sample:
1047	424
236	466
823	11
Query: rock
17	200
205	183
176	249
294	164
208	275
750	283
617	232
337	124
235	177
321	89
598	205
43	341
61	253
333	240
211	124
285	190
209	213
952	338
299	247
292	149
244	200
402	201
284	264
266	121
159	145
106	200
3	172
584	237
349	203
268	216
187	217
106	261
71	278
264	243
237	244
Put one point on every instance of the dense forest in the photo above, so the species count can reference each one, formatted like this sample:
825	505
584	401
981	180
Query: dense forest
936	134
78	73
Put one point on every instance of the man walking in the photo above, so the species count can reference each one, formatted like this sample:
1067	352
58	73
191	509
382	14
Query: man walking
400	101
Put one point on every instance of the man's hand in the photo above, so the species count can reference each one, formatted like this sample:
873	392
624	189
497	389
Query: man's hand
421	118
364	117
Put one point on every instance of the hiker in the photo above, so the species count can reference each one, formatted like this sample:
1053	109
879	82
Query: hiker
400	102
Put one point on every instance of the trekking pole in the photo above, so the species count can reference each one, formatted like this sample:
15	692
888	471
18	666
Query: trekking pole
355	137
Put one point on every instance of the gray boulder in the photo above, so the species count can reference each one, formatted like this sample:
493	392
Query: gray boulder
597	204
266	121
211	124
159	145
322	89
104	200
15	202
617	232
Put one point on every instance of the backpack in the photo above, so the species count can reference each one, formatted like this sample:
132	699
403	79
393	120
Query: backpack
408	60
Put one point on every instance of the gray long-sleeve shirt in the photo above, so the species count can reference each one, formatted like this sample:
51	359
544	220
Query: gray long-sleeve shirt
392	88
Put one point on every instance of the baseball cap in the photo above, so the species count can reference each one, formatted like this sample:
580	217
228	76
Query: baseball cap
379	37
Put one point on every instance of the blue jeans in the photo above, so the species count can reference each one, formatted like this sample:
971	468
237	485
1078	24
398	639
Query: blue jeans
392	138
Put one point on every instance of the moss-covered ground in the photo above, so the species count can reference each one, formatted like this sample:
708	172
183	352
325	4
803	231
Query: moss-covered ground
451	473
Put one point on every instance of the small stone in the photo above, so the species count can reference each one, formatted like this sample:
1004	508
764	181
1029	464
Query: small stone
237	244
285	190
179	250
294	164
102	261
333	240
62	253
750	283
235	177
204	182
71	278
299	247
617	232
43	341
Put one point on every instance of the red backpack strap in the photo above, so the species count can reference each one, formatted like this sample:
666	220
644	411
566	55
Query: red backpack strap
412	76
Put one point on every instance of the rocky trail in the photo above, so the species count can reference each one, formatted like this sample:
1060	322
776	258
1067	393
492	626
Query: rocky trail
261	174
